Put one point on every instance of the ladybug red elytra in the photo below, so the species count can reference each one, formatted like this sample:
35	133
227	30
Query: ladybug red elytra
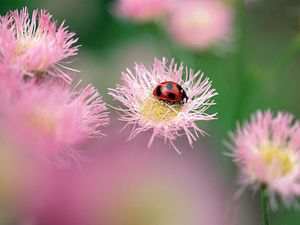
170	91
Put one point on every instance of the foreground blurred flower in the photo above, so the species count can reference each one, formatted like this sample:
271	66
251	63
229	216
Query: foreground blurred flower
49	119
200	25
36	45
9	183
145	112
142	11
128	185
267	151
10	84
16	176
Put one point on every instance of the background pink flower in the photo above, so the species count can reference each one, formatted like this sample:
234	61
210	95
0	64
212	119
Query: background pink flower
142	11
49	119
200	24
131	185
10	84
267	152
35	44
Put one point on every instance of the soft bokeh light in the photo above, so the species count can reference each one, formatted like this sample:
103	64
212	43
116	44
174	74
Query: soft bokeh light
128	184
200	25
143	11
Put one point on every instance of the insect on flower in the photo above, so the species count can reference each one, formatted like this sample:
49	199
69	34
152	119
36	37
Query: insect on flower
155	100
170	92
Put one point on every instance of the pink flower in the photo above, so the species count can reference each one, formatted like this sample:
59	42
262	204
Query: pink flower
129	185
200	25
50	119
142	11
17	175
122	185
37	45
10	84
9	182
145	112
267	151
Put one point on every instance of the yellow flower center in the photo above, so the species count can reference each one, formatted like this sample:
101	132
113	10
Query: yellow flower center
21	47
41	121
160	112
25	41
279	161
200	19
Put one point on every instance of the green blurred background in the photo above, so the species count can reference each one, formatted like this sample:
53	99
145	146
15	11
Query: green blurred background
246	80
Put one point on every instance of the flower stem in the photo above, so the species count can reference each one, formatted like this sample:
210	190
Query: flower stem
241	65
265	205
287	56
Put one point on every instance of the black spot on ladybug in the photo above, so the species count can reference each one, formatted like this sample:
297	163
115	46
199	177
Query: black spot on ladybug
158	91
171	96
170	91
179	87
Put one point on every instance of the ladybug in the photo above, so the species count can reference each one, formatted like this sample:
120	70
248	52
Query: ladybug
170	91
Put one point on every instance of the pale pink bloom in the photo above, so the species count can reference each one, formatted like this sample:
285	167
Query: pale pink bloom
10	83
267	151
145	112
49	120
142	11
57	200
122	185
9	181
37	45
129	185
17	175
201	24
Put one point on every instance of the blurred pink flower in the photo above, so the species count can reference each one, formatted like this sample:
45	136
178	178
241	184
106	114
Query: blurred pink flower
267	151
201	24
50	119
31	190
17	175
9	182
55	201
142	11
123	184
10	84
128	185
37	45
145	112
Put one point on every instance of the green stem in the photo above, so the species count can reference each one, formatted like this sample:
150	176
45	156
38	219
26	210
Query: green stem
286	57
265	205
241	65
